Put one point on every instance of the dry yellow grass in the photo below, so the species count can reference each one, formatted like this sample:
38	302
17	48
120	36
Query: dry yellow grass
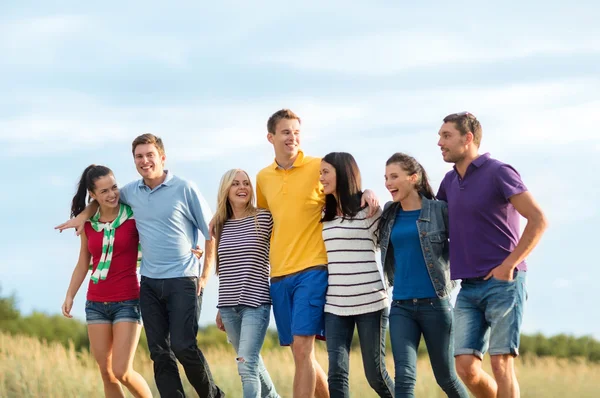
30	368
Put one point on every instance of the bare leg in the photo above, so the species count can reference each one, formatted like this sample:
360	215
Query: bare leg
101	342
503	367
481	384
310	379
125	340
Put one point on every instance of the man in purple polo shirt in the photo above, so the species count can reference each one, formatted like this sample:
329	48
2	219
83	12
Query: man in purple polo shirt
485	198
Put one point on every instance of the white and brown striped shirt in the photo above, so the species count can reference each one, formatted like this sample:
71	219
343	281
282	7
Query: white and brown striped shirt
355	284
244	261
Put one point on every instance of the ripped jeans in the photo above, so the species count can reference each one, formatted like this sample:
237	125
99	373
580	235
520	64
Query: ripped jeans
246	328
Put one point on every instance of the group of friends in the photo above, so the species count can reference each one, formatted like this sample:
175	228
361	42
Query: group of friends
304	244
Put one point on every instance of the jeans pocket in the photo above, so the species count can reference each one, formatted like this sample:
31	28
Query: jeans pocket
441	304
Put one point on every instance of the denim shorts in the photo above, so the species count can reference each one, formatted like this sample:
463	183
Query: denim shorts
97	312
299	304
488	315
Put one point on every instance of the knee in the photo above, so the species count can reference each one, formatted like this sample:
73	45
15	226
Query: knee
467	369
107	374
502	367
121	373
182	351
247	366
302	348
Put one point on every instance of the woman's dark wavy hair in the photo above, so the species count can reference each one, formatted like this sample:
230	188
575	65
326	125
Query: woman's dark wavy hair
348	186
87	183
411	166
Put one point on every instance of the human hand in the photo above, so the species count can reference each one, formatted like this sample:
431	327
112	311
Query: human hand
197	252
502	272
67	306
77	223
201	284
219	321
369	198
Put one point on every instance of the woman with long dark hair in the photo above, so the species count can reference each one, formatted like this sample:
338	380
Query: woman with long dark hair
110	242
413	235
356	295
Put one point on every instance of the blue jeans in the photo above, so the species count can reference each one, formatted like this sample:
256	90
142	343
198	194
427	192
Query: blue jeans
170	310
371	333
246	328
489	313
433	319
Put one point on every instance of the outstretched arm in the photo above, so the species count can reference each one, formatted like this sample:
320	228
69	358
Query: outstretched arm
79	221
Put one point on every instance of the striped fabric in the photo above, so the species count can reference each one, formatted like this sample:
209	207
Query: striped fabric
108	228
355	284
244	261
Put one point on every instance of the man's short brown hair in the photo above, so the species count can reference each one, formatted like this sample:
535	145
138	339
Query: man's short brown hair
277	116
148	139
465	122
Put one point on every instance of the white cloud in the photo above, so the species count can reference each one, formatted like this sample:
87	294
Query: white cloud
387	53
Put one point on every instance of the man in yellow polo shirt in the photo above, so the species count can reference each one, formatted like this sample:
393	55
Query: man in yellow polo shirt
291	190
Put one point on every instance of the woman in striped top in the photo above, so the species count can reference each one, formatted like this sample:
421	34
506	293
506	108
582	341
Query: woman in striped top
356	294
243	233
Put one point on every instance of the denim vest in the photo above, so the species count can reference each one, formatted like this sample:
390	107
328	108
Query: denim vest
433	234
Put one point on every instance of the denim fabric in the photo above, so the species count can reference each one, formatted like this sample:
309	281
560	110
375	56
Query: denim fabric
371	333
246	329
170	310
489	314
432	318
433	232
97	312
298	304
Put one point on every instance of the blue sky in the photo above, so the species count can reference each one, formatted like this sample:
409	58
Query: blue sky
81	80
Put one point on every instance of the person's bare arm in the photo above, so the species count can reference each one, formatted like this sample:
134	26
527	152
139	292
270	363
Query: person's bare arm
209	259
369	198
79	273
79	221
527	207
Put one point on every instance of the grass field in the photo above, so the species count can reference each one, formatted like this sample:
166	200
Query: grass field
30	368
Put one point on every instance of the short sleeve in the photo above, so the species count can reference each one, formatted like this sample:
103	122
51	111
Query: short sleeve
441	194
508	182
261	201
126	192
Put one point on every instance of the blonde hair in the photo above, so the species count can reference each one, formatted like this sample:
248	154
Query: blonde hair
224	210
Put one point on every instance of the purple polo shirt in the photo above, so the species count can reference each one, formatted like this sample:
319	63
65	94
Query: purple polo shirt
484	225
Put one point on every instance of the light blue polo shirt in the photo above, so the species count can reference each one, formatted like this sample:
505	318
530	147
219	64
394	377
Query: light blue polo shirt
168	218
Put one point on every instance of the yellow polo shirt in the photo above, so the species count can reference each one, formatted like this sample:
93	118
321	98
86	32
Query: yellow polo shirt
295	199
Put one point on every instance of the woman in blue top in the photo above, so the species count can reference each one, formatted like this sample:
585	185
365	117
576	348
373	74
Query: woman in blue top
413	234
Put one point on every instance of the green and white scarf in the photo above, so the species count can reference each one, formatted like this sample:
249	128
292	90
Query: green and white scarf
109	228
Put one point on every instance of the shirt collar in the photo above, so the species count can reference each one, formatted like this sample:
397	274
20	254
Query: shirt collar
478	162
166	182
297	163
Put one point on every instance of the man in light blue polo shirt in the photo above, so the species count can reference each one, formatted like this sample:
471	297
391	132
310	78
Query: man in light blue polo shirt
169	211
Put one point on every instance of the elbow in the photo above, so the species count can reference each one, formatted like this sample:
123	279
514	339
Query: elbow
541	221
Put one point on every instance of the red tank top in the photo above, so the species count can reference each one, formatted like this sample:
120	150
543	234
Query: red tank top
121	283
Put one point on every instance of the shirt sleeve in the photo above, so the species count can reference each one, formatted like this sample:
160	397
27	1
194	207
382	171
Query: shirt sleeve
261	200
126	191
508	182
441	193
199	209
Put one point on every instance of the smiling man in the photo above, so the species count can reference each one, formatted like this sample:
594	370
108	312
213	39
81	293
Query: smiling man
169	211
485	201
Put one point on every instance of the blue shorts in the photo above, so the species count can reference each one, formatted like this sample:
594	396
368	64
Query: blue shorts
97	312
488	315
298	305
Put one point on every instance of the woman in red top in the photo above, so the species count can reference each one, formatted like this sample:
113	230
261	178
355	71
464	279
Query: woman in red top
112	307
